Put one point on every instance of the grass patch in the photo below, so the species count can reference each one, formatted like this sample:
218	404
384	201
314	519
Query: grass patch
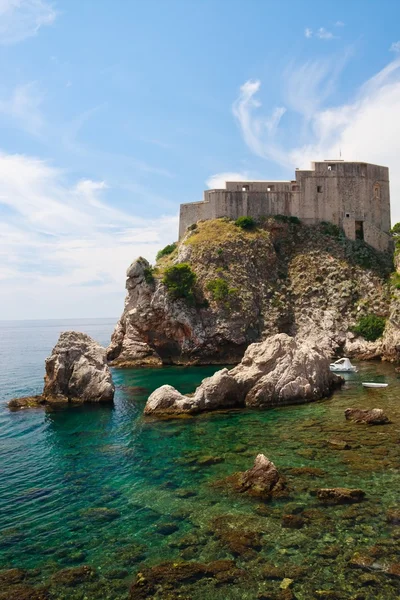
331	229
286	219
395	280
217	232
165	251
370	327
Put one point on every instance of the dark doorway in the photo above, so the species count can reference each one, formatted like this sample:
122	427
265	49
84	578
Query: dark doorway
359	230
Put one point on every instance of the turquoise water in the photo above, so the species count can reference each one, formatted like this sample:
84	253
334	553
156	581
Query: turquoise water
102	486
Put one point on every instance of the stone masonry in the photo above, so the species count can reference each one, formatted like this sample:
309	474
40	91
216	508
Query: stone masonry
353	195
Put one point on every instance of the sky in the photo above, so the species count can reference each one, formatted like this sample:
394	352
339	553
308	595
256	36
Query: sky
112	113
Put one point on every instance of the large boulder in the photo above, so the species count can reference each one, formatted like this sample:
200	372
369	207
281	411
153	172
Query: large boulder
280	370
77	370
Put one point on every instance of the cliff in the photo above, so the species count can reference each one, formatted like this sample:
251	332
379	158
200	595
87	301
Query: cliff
281	277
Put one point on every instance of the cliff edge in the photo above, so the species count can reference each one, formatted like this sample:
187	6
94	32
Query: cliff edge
224	287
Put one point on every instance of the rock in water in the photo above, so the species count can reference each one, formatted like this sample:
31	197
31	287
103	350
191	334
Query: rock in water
338	495
263	476
374	416
280	370
77	370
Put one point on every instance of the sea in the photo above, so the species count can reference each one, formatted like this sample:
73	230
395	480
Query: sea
98	502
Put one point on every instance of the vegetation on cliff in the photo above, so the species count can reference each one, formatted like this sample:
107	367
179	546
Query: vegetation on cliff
223	287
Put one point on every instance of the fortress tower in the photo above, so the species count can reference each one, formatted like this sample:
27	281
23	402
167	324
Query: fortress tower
353	195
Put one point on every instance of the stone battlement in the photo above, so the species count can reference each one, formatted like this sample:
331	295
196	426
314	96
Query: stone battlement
353	195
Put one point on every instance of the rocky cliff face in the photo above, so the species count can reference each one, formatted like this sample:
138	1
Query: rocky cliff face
279	278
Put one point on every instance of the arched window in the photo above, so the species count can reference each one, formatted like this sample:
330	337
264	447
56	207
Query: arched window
377	190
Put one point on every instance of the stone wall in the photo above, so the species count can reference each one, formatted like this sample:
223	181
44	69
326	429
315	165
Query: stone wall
350	195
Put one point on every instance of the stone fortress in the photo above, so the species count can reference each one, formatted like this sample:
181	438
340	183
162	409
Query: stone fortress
353	195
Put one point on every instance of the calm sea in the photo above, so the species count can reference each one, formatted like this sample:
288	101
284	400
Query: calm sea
104	487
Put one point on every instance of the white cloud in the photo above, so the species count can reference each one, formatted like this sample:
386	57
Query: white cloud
24	106
324	34
395	47
339	24
64	248
366	128
21	19
217	181
308	32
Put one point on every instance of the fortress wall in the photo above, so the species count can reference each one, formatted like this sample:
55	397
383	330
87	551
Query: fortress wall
191	213
376	238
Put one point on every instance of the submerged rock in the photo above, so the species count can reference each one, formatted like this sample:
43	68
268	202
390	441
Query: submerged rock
374	416
76	371
159	581
338	495
280	370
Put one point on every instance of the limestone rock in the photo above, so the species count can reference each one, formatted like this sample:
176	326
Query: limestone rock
263	475
279	278
167	400
280	370
338	495
375	416
77	370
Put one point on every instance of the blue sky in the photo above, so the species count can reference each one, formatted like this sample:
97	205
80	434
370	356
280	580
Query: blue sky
113	112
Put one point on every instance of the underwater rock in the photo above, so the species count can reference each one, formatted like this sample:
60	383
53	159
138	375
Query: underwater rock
309	471
74	576
338	495
12	576
24	592
169	576
292	521
374	416
280	370
166	528
100	514
241	538
339	444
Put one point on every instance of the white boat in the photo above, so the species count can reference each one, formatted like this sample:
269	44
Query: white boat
343	365
368	384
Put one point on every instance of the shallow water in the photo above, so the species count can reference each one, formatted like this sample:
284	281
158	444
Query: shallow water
153	485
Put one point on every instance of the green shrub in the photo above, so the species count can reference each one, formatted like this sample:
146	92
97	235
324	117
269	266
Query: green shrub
331	229
167	250
179	280
192	227
395	280
370	327
245	223
286	219
395	230
148	275
219	289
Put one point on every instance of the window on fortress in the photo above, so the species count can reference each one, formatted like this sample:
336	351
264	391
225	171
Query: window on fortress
319	189
270	188
245	188
295	188
377	190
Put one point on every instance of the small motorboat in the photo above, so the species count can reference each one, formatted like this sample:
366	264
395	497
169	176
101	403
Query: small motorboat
343	365
369	384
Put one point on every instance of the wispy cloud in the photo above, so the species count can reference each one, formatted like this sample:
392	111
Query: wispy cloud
322	33
58	235
395	47
217	181
24	107
365	128
21	19
339	24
